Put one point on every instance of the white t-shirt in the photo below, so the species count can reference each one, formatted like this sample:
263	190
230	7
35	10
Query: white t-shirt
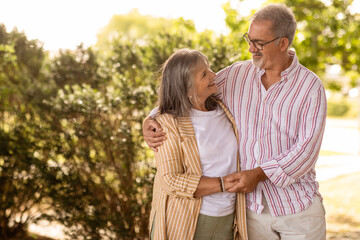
218	155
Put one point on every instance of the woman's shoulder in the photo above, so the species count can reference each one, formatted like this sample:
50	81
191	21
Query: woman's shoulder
166	118
168	122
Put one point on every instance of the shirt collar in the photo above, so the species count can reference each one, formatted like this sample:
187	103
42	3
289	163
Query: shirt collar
287	72
294	64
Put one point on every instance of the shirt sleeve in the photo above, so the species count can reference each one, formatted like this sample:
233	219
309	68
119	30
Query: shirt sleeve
170	161
220	81
153	112
301	158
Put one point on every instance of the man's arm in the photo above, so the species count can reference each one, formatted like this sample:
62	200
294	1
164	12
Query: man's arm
220	81
284	169
301	158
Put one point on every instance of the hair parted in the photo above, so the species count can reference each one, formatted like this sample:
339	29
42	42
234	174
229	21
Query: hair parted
282	18
177	79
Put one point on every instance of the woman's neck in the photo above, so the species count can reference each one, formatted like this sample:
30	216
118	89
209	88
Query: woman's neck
200	106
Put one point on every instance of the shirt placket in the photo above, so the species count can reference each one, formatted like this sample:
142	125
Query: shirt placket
261	123
260	141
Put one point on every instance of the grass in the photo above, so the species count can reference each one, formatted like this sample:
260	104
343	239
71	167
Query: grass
341	199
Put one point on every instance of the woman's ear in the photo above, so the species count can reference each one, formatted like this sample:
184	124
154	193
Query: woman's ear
190	93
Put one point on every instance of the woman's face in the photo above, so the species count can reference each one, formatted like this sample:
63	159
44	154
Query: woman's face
204	82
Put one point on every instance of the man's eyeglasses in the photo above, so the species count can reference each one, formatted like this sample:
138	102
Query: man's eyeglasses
257	45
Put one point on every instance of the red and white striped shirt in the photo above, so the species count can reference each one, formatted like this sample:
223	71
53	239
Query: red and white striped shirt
280	130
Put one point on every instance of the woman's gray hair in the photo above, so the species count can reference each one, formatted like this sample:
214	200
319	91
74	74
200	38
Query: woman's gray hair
282	18
177	79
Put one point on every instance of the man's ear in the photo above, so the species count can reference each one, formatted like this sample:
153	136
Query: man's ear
284	44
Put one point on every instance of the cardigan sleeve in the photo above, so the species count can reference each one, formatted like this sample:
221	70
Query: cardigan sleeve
175	180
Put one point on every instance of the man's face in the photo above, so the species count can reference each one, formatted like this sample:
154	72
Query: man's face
259	32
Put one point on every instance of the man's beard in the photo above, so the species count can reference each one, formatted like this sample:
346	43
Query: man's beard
258	62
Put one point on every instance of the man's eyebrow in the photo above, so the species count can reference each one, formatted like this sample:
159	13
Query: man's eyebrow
256	40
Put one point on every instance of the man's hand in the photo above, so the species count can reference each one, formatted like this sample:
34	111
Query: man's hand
245	181
229	185
153	133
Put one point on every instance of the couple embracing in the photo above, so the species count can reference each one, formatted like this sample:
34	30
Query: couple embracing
236	151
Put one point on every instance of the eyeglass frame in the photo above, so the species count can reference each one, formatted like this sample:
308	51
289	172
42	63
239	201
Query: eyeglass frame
255	42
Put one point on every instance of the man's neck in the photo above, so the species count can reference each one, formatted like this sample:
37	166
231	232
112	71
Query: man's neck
273	75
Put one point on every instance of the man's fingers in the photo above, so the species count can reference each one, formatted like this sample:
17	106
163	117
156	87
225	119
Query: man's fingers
151	135
154	149
151	124
233	177
155	141
234	189
154	144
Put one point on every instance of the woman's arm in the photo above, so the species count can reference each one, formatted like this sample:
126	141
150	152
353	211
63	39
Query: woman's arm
207	186
210	185
170	162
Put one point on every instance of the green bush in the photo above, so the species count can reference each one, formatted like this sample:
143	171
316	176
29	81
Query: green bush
337	108
343	106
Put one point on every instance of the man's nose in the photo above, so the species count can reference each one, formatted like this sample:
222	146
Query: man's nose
252	48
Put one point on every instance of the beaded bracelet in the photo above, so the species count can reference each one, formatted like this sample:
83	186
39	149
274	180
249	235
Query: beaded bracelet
221	184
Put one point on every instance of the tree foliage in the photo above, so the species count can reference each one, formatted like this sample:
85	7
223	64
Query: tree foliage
327	33
24	173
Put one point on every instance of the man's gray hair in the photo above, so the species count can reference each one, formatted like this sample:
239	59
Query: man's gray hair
282	18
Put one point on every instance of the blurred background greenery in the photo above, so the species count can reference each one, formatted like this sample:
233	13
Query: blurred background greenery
71	147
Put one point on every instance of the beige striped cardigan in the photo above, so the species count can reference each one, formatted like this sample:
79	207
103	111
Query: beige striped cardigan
174	206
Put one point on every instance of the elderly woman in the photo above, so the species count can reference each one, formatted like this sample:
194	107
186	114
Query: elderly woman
190	199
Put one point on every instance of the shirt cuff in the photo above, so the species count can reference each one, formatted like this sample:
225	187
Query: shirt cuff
276	175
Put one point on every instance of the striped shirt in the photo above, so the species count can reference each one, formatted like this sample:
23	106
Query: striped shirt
175	210
280	130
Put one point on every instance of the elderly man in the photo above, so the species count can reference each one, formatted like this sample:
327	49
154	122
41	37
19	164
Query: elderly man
280	110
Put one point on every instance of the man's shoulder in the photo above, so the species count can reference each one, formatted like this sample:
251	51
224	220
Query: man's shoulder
236	68
242	64
310	75
310	82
